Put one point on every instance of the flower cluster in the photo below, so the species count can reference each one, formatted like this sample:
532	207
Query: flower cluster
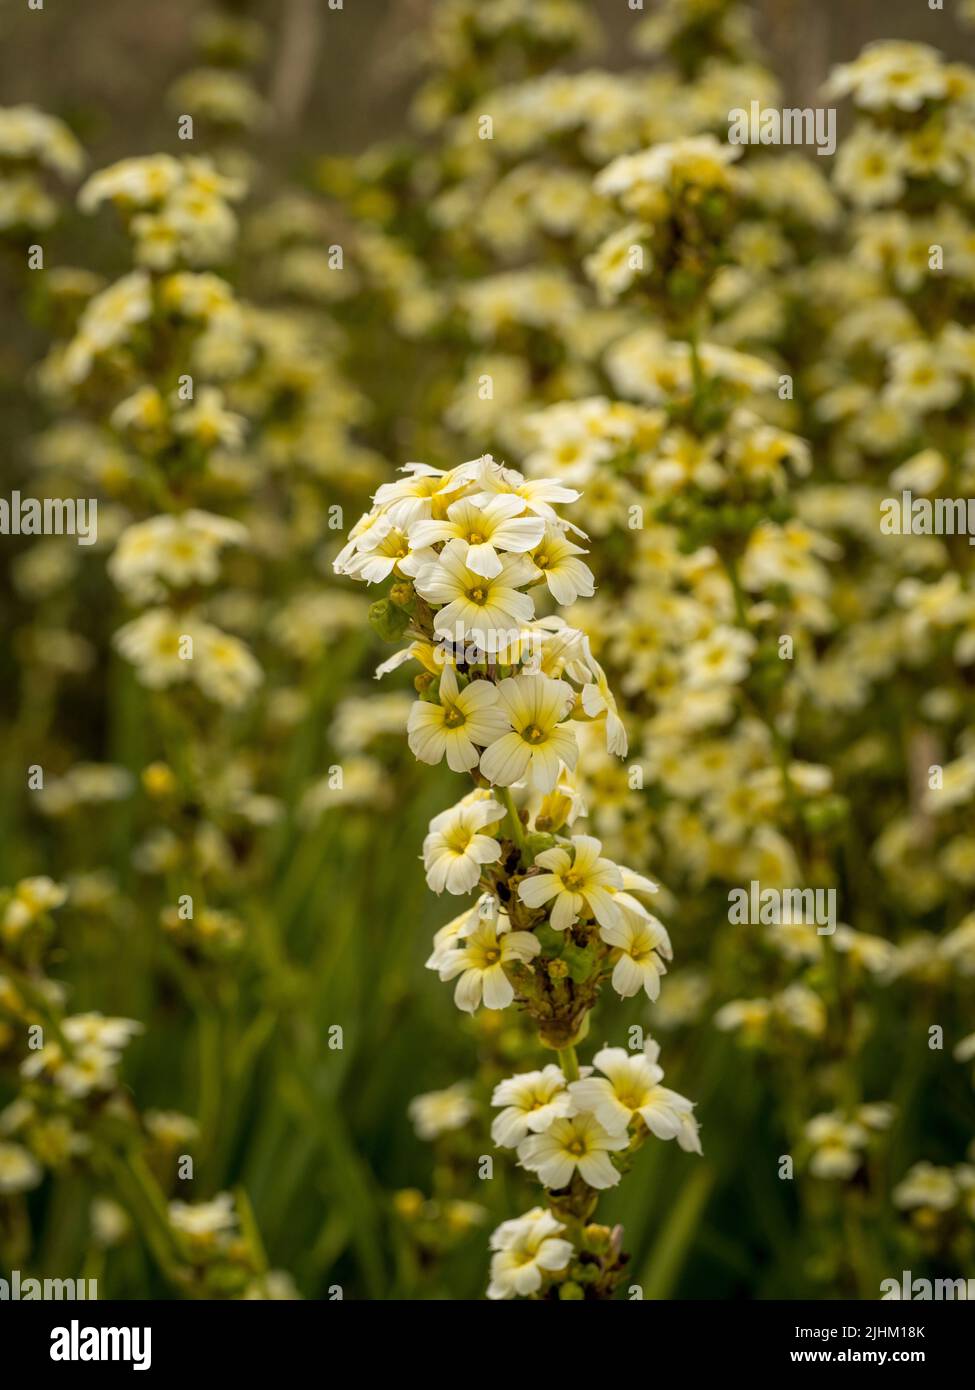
501	692
32	145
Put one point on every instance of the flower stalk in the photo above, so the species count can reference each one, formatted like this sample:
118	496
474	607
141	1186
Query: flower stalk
466	555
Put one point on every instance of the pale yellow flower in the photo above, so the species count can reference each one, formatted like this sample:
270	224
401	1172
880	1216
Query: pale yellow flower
540	743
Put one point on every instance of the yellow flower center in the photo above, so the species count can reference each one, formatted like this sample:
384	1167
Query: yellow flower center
492	956
572	880
542	561
577	1147
459	839
475	538
453	717
477	595
531	733
632	1096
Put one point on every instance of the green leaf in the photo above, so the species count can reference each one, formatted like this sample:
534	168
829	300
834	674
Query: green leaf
580	960
387	620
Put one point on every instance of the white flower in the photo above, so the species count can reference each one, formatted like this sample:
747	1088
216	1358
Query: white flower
32	898
836	1145
577	1143
598	699
366	534
411	498
209	423
136	182
532	1100
204	1222
540	743
630	1086
93	1028
577	881
180	550
525	1250
637	883
95	1047
154	642
537	494
920	377
870	167
19	1170
223	666
454	850
445	939
480	962
567	577
436	1112
891	73
106	321
612	267
462	719
956	789
379	550
750	1015
720	658
926	1186
498	525
699	159
479	606
27	133
643	943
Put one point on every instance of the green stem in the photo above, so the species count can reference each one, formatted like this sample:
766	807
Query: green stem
669	1254
210	1078
782	750
517	829
569	1063
139	1190
741	611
